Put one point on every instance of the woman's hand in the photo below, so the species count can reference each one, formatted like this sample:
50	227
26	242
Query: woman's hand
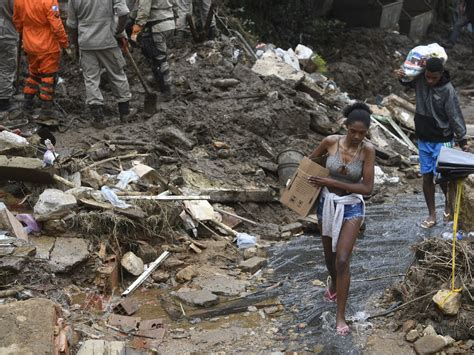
321	181
399	73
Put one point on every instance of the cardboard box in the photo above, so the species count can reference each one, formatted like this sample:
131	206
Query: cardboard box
299	195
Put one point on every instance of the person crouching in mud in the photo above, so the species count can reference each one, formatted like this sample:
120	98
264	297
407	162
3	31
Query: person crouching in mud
341	207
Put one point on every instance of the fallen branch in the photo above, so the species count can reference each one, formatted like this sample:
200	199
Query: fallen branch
236	216
167	198
128	156
383	314
378	278
63	181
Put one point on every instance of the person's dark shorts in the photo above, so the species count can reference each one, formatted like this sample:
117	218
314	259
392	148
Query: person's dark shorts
350	211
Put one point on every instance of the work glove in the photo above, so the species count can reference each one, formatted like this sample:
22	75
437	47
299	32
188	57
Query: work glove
136	29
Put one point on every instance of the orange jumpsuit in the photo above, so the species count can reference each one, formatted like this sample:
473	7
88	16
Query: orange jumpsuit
39	23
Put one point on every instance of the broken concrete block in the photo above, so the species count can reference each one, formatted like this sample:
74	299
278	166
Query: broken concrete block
430	344
28	327
44	245
186	274
132	263
200	298
67	253
103	347
222	285
252	265
53	204
9	223
24	169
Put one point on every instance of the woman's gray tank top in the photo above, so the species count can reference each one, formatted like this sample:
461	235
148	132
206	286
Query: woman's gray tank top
350	173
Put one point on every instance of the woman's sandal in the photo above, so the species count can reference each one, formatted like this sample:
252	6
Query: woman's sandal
343	331
427	224
328	296
446	217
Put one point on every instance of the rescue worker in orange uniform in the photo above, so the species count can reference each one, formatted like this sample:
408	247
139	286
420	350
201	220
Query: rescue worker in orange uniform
39	23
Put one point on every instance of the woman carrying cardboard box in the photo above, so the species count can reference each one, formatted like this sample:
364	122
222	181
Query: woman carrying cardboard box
341	209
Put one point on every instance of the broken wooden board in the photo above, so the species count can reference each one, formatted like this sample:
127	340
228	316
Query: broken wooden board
252	194
24	169
9	223
130	212
200	210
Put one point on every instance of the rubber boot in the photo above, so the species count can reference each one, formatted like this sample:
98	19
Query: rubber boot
28	104
98	117
167	92
47	112
126	114
212	33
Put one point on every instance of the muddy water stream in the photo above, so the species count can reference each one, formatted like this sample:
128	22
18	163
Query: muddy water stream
380	256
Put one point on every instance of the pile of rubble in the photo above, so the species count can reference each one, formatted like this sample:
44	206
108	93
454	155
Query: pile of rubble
175	211
431	319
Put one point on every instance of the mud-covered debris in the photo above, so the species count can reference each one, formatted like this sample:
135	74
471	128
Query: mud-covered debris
175	137
252	265
222	285
146	252
160	276
199	298
13	168
186	274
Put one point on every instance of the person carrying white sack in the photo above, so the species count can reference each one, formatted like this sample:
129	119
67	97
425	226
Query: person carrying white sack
341	209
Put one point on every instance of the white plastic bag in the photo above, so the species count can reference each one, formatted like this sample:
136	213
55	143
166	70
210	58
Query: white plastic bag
289	57
415	62
110	196
302	52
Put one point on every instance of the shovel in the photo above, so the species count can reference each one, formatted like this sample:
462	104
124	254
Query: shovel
150	97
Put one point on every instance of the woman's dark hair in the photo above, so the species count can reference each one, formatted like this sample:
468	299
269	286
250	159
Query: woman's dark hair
358	112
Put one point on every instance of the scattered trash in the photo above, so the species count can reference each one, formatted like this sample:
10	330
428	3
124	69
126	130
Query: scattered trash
192	59
245	240
110	196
